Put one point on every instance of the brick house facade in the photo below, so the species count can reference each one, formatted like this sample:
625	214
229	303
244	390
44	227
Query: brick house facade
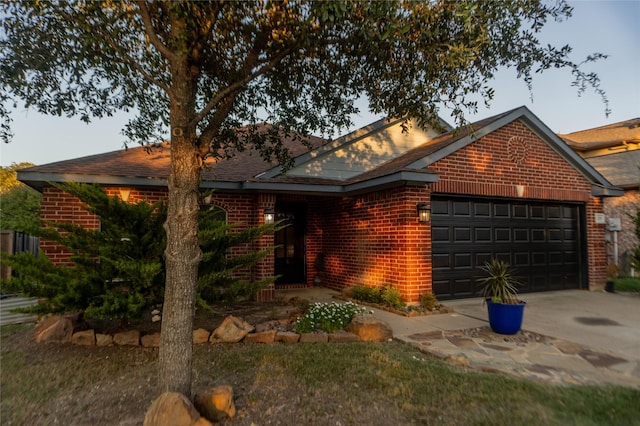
505	187
614	151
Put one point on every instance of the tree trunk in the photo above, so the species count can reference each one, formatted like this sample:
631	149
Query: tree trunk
183	252
182	257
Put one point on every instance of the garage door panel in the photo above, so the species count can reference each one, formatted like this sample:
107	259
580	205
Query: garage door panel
541	241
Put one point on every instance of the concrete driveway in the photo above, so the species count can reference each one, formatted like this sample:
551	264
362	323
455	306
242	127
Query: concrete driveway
607	322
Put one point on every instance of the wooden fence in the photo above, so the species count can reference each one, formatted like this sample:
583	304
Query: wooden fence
14	242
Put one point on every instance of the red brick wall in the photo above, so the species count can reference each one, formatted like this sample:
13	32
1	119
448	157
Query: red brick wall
376	240
58	206
486	168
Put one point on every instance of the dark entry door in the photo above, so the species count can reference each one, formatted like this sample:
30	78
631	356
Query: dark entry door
541	241
290	242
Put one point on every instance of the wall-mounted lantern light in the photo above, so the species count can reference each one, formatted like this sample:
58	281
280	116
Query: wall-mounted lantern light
424	212
269	216
124	194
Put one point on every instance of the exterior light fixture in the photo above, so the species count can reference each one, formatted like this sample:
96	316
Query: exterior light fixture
269	216
424	212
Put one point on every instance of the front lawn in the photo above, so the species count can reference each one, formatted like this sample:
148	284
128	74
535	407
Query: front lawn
311	384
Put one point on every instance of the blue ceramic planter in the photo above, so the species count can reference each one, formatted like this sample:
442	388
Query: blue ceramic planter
505	318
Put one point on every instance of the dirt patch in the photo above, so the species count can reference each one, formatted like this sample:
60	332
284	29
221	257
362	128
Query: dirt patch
252	312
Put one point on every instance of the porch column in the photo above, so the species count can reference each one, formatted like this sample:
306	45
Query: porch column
265	268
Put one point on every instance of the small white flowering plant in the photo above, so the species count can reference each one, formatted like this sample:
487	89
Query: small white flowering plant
328	317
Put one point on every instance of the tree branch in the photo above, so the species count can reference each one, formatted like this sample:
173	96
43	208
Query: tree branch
237	85
153	38
133	63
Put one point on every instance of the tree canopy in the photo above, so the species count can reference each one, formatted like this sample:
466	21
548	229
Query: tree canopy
19	204
208	72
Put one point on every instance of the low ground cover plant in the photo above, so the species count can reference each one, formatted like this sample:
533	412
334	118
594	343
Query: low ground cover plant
630	284
387	296
328	317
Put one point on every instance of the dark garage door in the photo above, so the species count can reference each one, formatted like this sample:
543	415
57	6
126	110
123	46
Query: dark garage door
541	241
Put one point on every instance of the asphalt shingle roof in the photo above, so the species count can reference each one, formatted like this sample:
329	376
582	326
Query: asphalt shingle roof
621	169
604	136
154	162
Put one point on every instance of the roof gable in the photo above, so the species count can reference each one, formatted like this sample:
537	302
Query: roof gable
456	140
361	151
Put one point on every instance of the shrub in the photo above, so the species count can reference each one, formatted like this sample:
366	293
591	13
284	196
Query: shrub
329	317
388	296
429	301
392	297
118	271
366	294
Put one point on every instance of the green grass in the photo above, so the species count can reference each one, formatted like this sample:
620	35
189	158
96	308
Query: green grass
627	284
360	383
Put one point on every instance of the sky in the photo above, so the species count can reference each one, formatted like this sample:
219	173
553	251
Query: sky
609	27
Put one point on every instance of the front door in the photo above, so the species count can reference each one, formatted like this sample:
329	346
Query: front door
290	242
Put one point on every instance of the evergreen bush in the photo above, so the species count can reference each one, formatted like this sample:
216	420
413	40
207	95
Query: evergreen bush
118	271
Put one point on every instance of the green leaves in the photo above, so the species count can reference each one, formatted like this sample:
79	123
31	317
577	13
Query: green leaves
297	65
499	285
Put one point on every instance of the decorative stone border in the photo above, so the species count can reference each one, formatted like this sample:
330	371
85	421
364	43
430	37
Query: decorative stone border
59	329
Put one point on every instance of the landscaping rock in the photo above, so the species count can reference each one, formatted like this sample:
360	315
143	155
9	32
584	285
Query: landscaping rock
84	338
55	329
200	336
232	330
104	339
263	337
342	336
370	329
314	338
156	318
173	409
150	340
287	337
216	404
127	338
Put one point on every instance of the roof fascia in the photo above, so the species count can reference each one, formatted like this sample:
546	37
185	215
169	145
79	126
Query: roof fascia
606	191
39	179
405	177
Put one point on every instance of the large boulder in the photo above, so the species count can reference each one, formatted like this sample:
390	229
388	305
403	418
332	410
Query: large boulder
216	404
54	329
370	329
173	409
232	330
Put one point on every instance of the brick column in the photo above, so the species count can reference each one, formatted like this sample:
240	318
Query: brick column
265	268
